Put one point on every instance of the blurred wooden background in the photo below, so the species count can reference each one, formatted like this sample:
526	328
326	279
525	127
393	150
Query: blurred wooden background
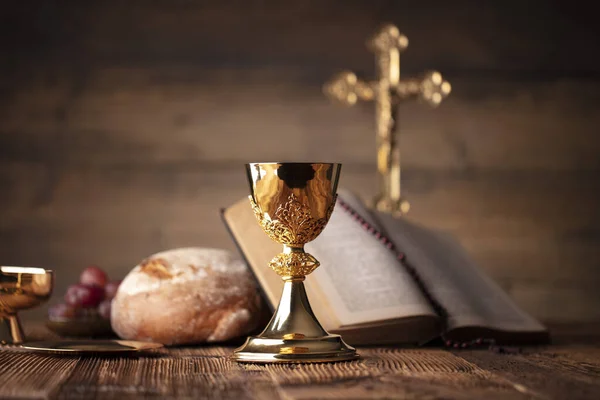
124	127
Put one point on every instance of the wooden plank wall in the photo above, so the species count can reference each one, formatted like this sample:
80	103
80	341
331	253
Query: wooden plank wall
124	127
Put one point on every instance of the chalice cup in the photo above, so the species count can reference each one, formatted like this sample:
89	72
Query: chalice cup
293	203
21	288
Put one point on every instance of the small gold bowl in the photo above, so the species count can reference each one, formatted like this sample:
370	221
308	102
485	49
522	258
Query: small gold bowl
21	288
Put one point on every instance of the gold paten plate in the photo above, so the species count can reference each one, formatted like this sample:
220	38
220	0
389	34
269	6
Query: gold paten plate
108	347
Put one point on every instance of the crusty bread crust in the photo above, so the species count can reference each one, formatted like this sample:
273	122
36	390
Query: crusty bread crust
186	296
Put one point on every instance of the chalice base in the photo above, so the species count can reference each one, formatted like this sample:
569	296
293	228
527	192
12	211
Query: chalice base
10	330
294	335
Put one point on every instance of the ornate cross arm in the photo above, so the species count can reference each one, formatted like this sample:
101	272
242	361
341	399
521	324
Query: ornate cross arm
345	88
431	88
387	92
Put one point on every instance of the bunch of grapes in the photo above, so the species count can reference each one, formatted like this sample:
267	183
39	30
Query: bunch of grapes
89	298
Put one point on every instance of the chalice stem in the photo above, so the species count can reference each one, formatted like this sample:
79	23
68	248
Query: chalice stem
294	318
10	329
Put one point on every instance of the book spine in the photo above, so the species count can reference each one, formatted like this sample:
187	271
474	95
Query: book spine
261	290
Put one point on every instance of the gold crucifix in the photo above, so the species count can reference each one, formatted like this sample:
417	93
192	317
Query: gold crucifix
387	92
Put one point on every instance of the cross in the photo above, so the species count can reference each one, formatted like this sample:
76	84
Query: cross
387	92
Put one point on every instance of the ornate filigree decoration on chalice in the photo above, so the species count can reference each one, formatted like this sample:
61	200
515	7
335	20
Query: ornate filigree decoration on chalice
292	225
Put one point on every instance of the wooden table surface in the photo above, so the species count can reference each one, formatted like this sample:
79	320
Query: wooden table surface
567	370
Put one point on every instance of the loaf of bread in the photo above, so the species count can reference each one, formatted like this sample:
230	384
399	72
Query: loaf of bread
187	295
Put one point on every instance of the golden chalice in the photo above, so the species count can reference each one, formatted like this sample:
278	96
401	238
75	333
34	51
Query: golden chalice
293	203
21	288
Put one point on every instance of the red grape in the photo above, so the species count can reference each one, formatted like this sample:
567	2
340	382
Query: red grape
110	290
81	295
104	309
61	311
93	276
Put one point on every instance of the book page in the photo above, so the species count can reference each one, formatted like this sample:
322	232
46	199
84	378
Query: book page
361	278
469	296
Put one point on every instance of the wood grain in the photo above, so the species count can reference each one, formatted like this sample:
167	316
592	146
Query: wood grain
207	372
547	374
127	116
460	36
37	376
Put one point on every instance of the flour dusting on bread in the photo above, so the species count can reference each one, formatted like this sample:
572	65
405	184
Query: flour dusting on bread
187	295
180	265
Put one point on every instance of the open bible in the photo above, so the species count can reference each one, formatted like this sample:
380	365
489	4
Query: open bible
368	294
